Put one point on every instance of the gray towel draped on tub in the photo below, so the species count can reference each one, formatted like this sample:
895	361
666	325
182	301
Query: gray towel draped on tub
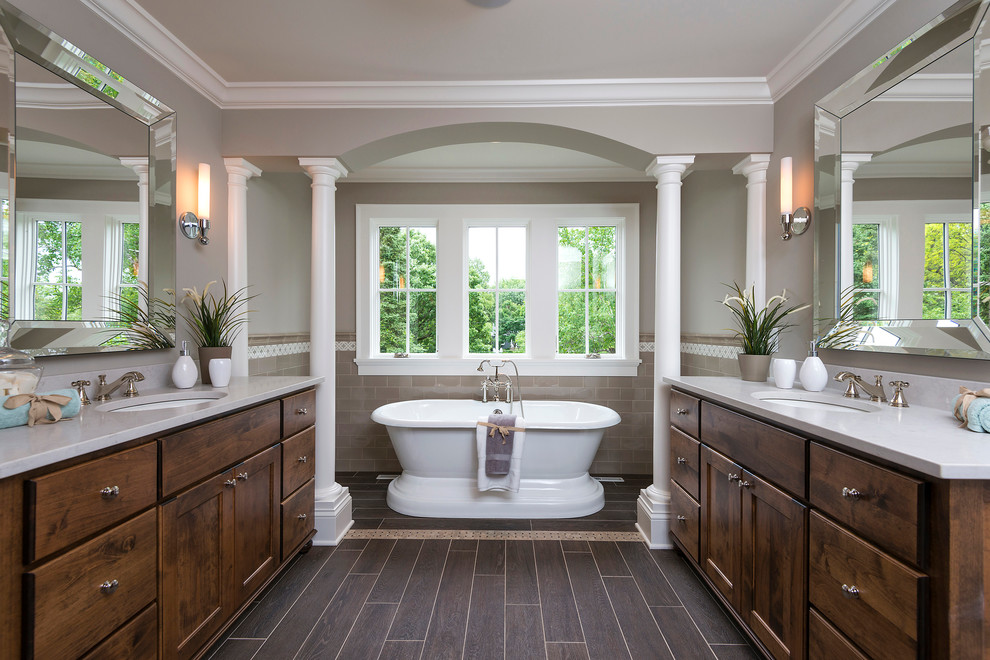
498	446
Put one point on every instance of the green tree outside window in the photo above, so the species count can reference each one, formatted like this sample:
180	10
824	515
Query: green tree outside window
407	289
586	290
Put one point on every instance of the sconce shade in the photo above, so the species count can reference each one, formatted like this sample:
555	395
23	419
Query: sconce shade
868	272
381	273
203	209
786	185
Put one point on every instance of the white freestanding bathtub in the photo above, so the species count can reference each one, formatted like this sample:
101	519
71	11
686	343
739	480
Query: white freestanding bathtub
434	440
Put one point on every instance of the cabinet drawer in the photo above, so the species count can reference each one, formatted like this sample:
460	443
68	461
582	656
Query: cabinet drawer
298	512
684	458
827	643
136	640
873	599
881	505
684	519
70	504
776	455
684	412
298	460
66	607
191	455
298	412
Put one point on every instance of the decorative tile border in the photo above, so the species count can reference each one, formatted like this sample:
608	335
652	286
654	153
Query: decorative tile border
275	350
711	350
345	346
490	535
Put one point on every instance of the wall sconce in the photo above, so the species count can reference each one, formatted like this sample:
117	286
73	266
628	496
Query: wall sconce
868	272
191	225
796	222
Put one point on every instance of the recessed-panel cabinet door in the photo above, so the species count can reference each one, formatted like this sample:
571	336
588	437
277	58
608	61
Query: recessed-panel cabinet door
256	521
721	516
774	575
197	536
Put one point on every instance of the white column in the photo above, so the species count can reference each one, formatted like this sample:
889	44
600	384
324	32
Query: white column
850	163
754	168
238	173
333	501
653	505
140	166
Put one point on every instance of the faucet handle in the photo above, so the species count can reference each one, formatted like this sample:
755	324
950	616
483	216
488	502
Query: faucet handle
897	399
80	386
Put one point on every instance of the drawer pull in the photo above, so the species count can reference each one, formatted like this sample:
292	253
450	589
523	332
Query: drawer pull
850	592
109	586
302	411
742	483
301	459
243	476
109	492
301	516
682	518
682	411
732	477
230	483
851	494
681	460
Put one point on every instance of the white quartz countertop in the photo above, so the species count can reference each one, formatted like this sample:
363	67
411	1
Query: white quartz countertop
928	440
23	448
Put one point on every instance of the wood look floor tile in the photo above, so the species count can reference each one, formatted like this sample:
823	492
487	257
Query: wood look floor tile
413	617
368	633
656	590
566	651
643	636
491	558
332	629
683	636
445	637
609	559
521	585
601	629
524	632
560	617
395	574
485	638
374	556
396	650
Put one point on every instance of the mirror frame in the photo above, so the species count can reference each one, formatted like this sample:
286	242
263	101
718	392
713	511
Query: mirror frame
961	22
29	38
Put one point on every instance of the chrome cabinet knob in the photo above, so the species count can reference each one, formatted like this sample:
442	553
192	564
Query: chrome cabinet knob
682	411
302	459
732	477
301	516
681	460
742	483
850	591
109	586
682	518
109	492
851	493
230	483
302	411
242	476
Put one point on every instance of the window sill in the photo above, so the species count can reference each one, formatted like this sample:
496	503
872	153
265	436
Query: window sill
429	366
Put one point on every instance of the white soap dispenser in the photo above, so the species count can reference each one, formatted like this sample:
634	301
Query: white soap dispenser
814	376
184	373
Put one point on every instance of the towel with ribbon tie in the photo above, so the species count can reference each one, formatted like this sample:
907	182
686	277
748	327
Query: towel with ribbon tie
970	407
500	441
31	409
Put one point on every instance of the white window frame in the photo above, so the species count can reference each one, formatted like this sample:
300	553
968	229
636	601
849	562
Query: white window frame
541	220
946	219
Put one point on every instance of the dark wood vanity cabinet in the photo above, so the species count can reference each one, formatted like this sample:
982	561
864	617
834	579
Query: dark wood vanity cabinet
826	555
151	548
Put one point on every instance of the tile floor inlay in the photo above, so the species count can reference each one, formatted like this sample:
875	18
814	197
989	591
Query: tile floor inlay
490	534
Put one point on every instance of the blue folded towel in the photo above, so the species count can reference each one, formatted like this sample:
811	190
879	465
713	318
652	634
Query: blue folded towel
19	416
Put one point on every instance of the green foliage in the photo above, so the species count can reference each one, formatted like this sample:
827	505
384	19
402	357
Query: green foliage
946	271
140	320
759	329
866	250
586	303
57	269
845	332
407	315
215	321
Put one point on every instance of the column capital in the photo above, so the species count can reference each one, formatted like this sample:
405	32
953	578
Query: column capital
752	166
669	165
851	162
331	167
137	163
240	167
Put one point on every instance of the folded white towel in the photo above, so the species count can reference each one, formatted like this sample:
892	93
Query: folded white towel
508	481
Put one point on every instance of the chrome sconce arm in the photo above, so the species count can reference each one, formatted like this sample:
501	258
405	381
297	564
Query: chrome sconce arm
795	224
193	227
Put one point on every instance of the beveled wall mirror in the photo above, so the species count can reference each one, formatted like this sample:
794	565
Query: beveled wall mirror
902	247
88	190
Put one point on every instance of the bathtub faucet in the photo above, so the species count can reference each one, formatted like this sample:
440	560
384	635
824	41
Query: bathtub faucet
498	383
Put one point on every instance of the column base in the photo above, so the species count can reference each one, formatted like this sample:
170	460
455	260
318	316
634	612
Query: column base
653	518
333	515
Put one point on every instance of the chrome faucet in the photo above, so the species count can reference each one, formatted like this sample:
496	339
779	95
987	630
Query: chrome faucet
496	383
854	383
104	389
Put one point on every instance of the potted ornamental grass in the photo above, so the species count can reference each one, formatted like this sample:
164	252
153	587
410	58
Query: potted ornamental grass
758	328
215	321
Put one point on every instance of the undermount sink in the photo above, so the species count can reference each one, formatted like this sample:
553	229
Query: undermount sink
161	401
815	401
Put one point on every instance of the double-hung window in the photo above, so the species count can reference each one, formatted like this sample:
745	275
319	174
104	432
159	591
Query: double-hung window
553	287
948	276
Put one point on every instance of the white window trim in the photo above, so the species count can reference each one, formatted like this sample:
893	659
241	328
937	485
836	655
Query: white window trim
542	220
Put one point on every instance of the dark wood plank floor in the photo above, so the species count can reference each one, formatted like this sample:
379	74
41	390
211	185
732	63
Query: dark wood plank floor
468	598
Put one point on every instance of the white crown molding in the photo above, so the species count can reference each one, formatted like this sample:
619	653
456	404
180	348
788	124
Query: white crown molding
499	93
493	174
841	25
151	36
939	87
131	20
918	169
56	96
82	172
